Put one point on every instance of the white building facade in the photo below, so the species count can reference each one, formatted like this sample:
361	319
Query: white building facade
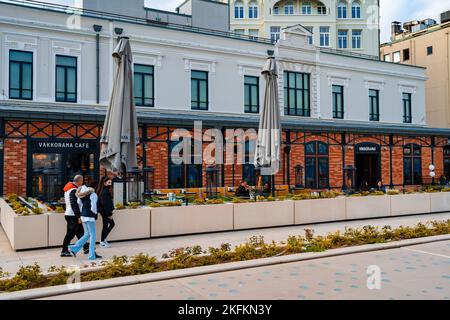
350	25
52	89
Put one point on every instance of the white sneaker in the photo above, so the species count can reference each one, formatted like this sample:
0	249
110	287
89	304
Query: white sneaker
104	244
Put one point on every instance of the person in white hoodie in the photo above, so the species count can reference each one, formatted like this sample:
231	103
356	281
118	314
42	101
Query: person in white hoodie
73	216
88	201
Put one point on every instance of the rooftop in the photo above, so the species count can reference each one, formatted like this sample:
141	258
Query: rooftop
409	35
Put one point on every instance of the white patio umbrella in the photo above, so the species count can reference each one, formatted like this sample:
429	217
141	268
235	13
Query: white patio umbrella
120	131
267	155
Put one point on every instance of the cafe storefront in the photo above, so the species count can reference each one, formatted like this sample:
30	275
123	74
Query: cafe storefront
52	163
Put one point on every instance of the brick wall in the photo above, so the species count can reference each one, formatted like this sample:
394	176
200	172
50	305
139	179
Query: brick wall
15	162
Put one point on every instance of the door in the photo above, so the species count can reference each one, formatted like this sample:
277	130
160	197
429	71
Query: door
368	164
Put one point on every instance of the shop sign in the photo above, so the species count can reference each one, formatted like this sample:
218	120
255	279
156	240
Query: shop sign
65	145
367	148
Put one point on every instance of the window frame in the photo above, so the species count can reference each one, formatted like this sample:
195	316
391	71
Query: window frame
21	63
276	34
338	114
414	159
356	10
289	8
316	157
305	111
248	90
374	115
341	37
324	36
152	105
66	100
397	54
357	39
429	50
306	8
342	12
407	107
406	54
253	10
199	102
239	11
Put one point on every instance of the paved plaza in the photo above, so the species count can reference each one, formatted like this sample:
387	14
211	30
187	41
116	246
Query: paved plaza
410	273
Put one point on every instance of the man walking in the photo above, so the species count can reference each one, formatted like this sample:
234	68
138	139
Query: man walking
73	216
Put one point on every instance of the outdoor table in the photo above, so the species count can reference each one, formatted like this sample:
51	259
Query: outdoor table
186	198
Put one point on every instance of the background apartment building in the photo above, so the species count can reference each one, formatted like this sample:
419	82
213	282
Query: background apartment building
427	44
351	25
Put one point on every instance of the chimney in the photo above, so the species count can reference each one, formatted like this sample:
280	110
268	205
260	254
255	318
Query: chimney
445	17
396	28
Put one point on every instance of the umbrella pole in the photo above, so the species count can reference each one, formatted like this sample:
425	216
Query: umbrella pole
273	185
125	181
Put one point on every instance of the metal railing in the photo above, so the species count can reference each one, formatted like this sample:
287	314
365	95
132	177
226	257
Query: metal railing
124	18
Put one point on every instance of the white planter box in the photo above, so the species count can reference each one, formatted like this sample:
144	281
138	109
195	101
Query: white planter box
320	210
440	202
191	219
130	224
263	214
410	204
57	228
368	207
24	232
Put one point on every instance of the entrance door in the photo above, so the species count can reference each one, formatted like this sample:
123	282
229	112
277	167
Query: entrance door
368	164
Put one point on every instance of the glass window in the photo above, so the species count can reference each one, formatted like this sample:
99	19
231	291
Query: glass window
317	165
342	39
397	57
184	175
253	10
199	90
20	75
144	85
289	8
239	31
239	10
429	50
306	8
406	55
356	10
251	94
407	112
276	10
66	79
412	164
342	10
321	9
296	94
387	58
374	105
447	162
310	38
338	102
356	39
324	36
275	33
248	168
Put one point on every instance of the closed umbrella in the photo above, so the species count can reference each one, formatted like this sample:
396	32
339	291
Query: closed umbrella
267	155
120	131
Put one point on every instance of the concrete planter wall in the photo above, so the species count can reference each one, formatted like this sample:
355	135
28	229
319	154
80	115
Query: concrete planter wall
440	202
57	227
130	224
24	232
263	214
368	207
191	219
320	210
410	204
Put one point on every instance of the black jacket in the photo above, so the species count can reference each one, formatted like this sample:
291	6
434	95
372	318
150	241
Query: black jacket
74	203
105	203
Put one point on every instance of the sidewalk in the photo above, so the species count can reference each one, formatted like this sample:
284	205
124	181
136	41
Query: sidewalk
10	260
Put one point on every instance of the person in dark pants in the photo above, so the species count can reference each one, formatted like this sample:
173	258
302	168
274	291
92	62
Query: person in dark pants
73	216
105	208
243	190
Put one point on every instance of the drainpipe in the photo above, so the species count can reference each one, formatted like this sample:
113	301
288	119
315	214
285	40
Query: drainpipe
98	29
391	145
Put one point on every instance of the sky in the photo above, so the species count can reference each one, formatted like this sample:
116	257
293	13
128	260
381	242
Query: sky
391	10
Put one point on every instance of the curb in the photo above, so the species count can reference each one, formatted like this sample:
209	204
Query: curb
198	271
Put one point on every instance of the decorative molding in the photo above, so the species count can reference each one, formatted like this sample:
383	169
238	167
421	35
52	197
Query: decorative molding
376	84
155	57
338	79
407	88
20	42
199	63
67	48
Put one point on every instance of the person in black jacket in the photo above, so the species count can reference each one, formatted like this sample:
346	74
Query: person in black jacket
105	208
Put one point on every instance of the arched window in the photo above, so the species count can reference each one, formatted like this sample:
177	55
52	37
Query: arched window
321	8
316	165
356	10
342	10
289	8
253	10
239	10
306	8
412	164
276	10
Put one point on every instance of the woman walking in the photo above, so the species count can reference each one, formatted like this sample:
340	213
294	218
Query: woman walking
88	199
105	208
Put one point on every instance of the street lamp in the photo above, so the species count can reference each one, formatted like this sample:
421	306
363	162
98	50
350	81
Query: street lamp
149	181
212	183
299	176
134	182
349	176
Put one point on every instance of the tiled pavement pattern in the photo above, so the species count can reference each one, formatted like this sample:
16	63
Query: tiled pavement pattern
419	272
10	260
